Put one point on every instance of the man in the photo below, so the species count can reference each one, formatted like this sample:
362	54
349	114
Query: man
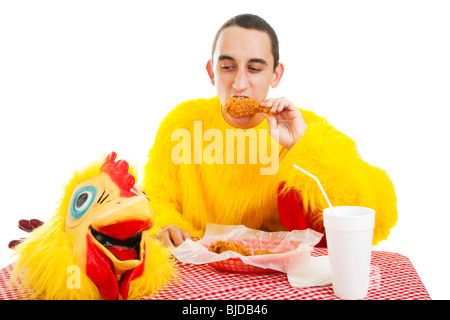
209	167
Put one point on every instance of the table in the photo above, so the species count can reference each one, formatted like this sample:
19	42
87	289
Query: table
392	276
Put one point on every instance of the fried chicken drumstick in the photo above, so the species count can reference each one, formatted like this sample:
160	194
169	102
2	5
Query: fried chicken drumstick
239	107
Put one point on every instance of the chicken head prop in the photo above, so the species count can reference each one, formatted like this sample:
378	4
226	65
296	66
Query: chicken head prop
98	244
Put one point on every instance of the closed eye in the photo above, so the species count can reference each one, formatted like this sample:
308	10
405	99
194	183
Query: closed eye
253	69
227	68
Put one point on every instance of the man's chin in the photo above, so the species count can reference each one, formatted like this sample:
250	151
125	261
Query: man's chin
244	122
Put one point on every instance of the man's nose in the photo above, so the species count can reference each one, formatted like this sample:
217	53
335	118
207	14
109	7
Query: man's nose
241	80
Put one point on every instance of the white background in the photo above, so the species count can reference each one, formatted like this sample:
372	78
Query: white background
79	79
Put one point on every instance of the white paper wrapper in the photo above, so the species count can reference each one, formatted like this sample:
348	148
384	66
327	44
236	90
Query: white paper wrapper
293	248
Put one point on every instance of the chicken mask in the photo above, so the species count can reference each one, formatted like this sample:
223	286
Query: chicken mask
102	231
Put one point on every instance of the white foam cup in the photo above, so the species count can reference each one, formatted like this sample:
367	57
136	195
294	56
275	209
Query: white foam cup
349	234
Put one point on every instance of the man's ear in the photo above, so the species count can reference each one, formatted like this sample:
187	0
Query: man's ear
277	75
209	68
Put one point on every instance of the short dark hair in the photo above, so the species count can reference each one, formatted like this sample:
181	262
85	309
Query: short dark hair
251	21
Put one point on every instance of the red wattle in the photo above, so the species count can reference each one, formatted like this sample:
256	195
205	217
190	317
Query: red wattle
124	284
100	270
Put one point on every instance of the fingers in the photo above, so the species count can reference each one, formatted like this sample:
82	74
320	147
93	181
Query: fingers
288	121
272	121
172	236
178	236
276	105
164	238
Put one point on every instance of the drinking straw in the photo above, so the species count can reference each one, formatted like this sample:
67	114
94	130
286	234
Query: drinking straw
318	182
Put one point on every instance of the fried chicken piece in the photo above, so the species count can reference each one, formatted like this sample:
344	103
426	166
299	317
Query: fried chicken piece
239	107
262	251
222	246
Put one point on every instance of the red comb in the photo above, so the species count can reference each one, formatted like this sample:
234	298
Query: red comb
118	171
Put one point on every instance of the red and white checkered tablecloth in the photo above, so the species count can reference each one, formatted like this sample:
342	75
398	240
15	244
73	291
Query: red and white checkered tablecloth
392	276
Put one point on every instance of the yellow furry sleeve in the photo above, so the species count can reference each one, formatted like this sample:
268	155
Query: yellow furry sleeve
161	176
333	158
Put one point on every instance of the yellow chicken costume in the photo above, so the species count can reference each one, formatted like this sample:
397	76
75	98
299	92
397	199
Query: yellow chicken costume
98	244
202	170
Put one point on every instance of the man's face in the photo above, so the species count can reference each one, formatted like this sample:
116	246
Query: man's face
242	65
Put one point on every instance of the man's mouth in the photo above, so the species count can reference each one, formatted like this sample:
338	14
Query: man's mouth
241	97
244	118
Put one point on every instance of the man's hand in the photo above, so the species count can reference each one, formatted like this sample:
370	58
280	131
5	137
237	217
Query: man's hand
172	236
289	121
